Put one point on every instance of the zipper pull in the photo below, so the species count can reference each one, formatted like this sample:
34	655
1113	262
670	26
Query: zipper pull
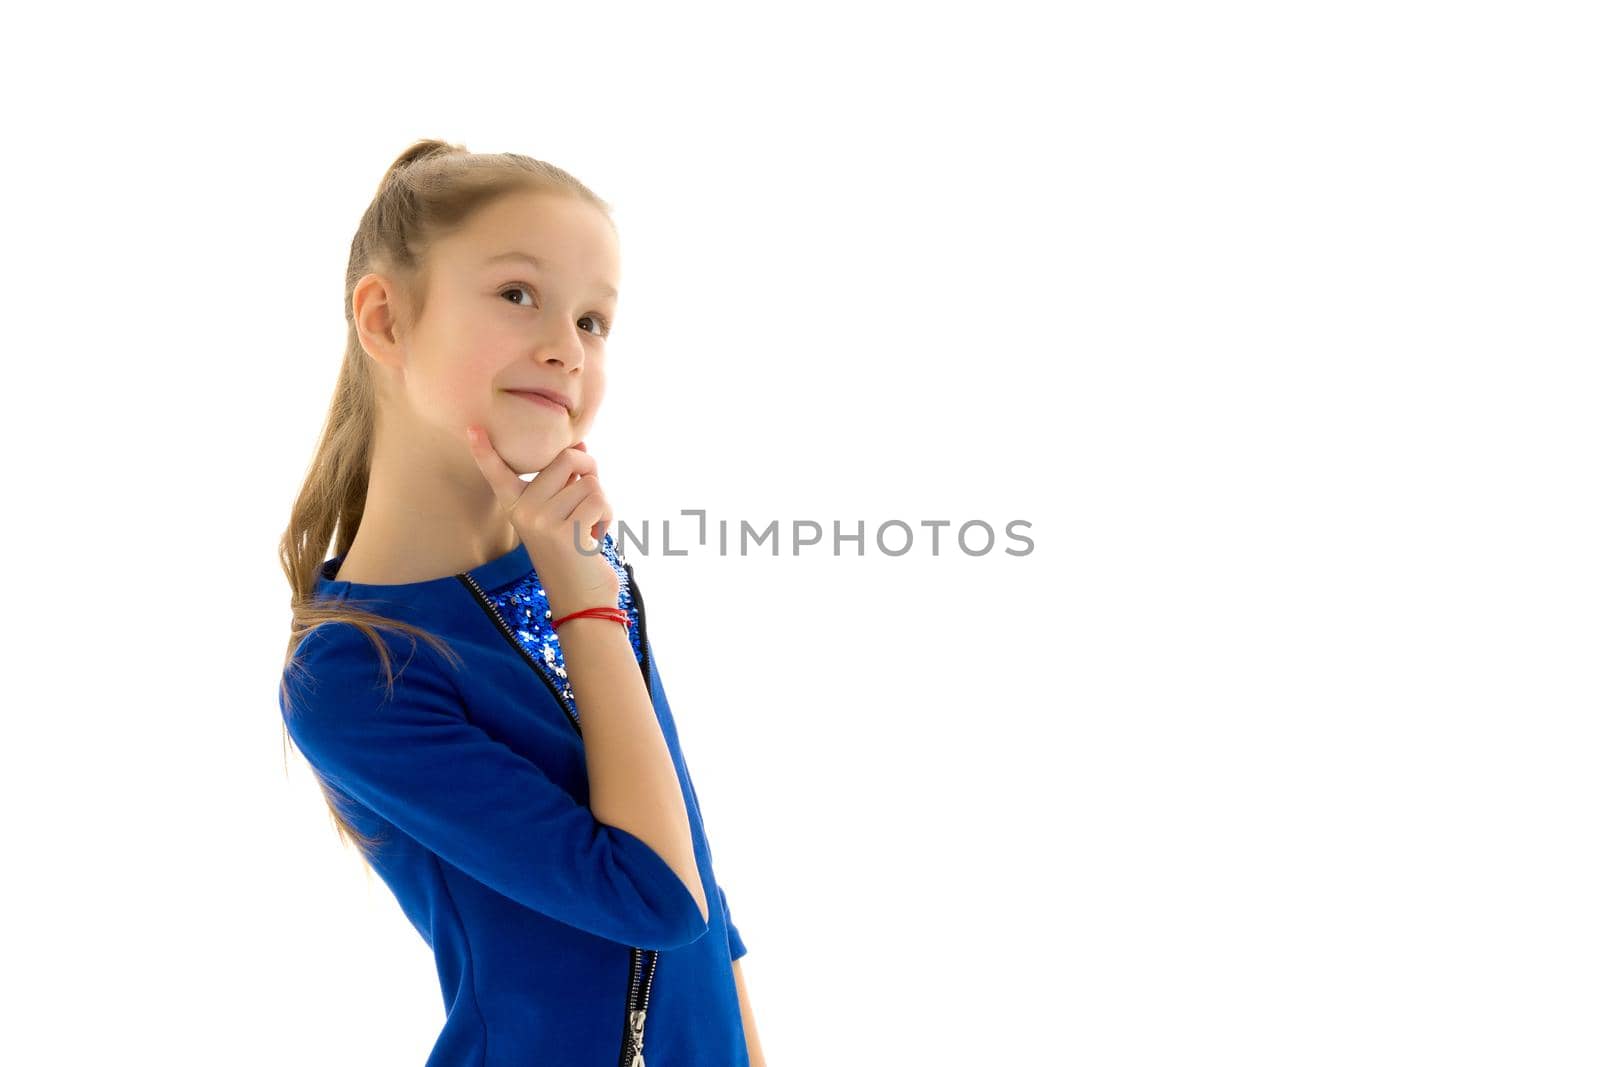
636	1021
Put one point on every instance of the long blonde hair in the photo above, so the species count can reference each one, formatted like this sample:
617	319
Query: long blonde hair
430	190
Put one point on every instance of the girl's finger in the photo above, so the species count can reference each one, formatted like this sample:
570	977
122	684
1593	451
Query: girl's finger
559	475
563	503
604	523
502	479
586	516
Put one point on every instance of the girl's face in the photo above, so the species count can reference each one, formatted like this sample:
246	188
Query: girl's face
496	322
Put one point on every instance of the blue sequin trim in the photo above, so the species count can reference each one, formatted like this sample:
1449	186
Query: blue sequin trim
525	607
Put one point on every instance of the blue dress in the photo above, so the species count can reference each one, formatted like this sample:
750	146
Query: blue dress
557	939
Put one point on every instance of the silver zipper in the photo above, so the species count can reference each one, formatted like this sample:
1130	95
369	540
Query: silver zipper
633	1037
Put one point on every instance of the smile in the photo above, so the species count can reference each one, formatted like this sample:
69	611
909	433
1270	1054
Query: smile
542	401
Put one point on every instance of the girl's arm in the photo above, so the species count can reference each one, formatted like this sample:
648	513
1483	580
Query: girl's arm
751	1041
414	756
633	783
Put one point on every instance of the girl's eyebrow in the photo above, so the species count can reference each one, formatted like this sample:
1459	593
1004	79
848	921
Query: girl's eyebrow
605	290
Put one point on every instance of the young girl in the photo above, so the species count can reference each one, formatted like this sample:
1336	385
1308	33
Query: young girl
523	794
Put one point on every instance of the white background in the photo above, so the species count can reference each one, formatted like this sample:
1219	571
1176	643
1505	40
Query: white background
1276	321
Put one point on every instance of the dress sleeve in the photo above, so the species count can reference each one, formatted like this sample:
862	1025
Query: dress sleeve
736	947
735	942
415	759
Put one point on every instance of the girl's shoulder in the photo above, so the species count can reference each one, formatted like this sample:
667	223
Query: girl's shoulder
339	664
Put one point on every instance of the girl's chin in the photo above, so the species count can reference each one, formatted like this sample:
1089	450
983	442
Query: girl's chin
529	457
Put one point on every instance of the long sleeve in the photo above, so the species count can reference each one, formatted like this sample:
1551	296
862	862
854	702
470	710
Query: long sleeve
418	761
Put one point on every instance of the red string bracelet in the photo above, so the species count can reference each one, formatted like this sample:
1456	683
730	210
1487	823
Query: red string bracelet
615	614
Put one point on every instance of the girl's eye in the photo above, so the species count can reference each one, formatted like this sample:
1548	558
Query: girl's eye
518	289
601	326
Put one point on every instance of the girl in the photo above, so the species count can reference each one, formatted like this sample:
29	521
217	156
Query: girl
523	795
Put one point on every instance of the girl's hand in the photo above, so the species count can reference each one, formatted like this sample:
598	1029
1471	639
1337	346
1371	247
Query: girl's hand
562	507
